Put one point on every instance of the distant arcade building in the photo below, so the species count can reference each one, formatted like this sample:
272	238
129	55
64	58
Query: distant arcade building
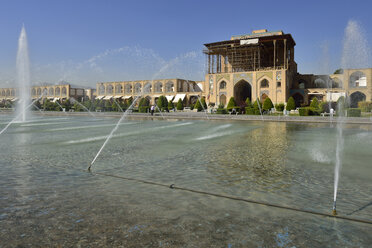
257	65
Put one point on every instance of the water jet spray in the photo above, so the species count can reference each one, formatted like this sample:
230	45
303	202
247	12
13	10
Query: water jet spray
334	212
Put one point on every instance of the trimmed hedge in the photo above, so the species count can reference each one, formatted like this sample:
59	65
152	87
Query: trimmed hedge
308	111
249	111
221	111
354	112
365	106
291	105
279	107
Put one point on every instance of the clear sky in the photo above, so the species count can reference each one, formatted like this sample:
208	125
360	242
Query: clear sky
85	41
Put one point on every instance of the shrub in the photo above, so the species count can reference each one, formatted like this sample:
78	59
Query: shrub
306	111
170	105
198	106
279	106
231	104
365	106
291	105
314	103
192	106
143	109
268	104
249	111
179	104
256	107
221	111
353	112
248	102
204	104
162	103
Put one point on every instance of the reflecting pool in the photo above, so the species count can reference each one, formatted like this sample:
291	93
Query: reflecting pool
48	199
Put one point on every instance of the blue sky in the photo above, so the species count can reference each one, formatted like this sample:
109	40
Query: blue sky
85	41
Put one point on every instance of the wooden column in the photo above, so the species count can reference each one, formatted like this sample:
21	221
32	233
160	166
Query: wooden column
274	41
285	54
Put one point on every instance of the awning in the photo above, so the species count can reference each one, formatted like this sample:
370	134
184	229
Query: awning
116	97
14	99
50	97
316	93
100	97
154	96
127	97
107	97
179	96
55	99
169	98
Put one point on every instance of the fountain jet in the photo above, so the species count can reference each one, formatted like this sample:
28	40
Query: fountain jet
23	75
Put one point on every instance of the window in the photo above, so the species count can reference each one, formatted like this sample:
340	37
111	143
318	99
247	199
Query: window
222	85
278	84
264	83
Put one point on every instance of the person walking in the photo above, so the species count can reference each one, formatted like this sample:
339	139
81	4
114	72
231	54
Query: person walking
152	109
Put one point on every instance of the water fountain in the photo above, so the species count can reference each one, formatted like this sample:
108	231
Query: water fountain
23	76
355	54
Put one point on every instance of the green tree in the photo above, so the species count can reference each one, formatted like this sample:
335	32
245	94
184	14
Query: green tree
339	71
171	105
291	105
107	105
268	104
231	104
198	106
204	104
256	107
179	104
248	103
314	103
162	103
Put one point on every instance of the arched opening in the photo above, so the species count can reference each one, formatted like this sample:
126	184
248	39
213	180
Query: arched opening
33	92
357	79
110	89
45	92
302	84
64	91
223	99
38	92
320	83
298	98
118	89
169	86
223	85
185	86
58	91
12	92
264	83
51	92
158	87
101	90
355	98
3	93
147	88
137	88
242	91
128	88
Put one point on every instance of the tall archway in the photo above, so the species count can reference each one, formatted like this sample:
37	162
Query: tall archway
101	90
263	97
355	98
242	90
158	87
118	89
222	85
58	91
298	98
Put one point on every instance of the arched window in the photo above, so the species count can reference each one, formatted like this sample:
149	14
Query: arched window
357	79
264	83
3	93
33	92
137	88
51	91
169	86
158	87
147	88
58	91
128	88
45	92
336	83
118	88
38	92
185	86
101	90
12	92
223	85
110	89
319	83
7	92
64	91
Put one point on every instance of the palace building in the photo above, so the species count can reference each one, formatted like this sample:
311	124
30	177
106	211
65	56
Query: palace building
261	65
